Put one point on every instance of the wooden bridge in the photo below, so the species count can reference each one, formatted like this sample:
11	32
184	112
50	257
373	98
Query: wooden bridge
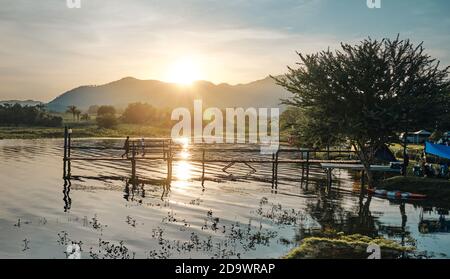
163	149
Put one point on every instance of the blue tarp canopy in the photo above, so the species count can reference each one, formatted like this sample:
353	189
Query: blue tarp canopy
439	150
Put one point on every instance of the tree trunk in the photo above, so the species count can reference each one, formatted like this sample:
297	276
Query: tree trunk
370	182
366	161
405	146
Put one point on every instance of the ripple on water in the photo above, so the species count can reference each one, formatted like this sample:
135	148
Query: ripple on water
236	214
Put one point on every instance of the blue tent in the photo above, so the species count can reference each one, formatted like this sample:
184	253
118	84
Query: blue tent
439	150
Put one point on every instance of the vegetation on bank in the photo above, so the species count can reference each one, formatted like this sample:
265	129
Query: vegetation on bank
350	247
30	122
435	189
14	115
340	246
85	131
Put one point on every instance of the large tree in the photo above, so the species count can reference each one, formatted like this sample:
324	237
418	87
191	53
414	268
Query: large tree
366	94
139	113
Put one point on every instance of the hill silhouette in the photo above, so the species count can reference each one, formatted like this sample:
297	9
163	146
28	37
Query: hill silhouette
261	93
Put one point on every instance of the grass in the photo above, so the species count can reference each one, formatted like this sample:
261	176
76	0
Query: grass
82	130
397	146
414	150
340	246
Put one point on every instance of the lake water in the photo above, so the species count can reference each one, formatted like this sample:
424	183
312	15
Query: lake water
235	215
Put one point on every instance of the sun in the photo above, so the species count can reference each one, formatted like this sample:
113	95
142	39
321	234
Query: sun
184	71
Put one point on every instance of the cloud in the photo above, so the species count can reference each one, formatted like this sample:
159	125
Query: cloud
48	48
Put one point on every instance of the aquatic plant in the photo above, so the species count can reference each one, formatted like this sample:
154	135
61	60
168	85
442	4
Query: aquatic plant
341	246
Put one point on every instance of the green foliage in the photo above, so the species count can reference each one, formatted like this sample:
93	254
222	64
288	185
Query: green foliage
105	110
143	113
27	115
83	131
107	121
106	117
366	94
443	123
139	113
340	246
308	131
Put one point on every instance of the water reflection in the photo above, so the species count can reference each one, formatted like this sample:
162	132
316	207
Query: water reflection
134	193
331	207
429	225
66	191
105	191
329	212
184	154
183	169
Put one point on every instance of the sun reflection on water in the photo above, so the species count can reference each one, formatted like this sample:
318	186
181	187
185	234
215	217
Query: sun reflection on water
183	169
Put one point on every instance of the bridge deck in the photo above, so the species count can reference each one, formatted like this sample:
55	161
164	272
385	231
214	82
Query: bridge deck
380	168
280	161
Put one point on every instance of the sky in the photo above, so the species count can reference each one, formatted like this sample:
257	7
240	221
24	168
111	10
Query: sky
47	48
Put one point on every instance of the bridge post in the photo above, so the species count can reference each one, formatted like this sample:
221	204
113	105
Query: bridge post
273	170
164	149
276	168
65	152
329	177
303	165
169	163
69	143
307	165
203	167
328	152
133	162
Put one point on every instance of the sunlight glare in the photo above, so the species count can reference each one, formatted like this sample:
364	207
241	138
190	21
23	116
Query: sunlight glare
183	141
184	71
183	171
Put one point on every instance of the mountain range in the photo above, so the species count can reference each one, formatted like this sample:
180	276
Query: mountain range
261	93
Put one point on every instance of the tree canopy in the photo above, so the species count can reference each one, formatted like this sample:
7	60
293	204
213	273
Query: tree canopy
105	110
367	94
106	117
27	115
139	113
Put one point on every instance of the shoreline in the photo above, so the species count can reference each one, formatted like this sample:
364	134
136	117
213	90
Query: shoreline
87	131
437	190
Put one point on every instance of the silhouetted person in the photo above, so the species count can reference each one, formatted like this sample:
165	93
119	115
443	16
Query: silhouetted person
126	147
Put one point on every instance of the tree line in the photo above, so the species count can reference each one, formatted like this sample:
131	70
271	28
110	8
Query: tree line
16	115
107	116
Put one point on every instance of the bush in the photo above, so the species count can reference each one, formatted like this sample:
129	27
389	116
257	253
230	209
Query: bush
437	135
104	110
343	246
107	121
139	113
